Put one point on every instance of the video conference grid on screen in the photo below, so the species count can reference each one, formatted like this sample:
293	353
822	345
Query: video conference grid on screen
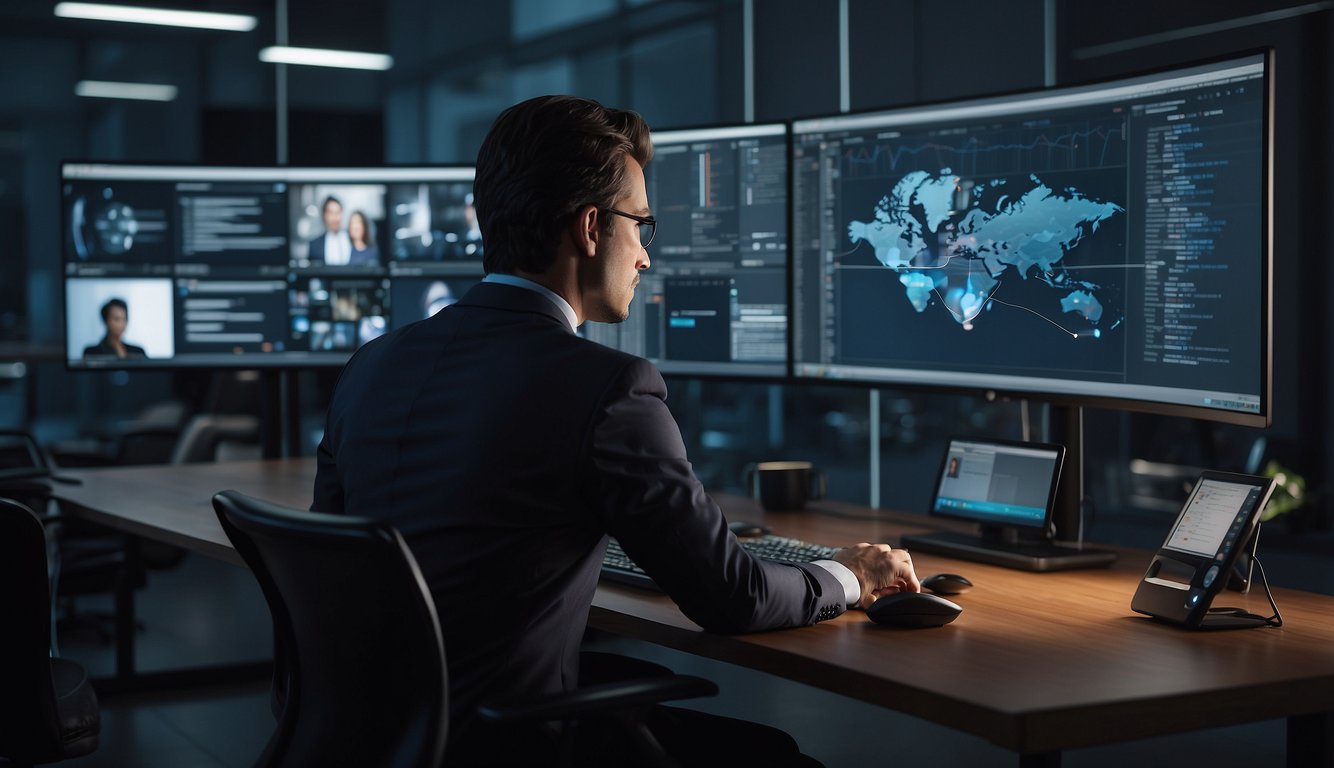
265	266
1101	241
715	298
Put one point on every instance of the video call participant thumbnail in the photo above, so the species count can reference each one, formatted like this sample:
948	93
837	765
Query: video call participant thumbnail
115	318
333	247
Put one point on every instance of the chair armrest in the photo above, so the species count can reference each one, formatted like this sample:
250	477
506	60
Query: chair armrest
596	699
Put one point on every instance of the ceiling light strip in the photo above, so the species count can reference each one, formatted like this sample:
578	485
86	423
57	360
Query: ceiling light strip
323	57
103	89
230	22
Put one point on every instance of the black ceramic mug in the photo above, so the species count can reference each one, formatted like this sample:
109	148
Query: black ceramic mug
784	485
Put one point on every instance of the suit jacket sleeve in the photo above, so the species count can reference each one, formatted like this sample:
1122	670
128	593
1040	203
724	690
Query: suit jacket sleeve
649	499
328	488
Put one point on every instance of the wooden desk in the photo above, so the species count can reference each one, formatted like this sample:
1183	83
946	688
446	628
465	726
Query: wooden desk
174	504
1037	663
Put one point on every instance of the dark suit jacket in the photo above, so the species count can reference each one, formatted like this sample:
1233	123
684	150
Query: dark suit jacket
505	448
316	252
103	348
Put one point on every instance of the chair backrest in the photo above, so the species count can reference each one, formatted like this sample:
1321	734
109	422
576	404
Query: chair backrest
365	663
29	725
204	433
21	458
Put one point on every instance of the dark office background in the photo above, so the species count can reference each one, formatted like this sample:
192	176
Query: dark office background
679	63
457	63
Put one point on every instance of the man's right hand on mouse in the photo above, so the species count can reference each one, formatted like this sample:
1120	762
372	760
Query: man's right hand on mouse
880	569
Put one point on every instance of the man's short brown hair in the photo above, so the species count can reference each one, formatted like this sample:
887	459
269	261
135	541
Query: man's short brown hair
542	161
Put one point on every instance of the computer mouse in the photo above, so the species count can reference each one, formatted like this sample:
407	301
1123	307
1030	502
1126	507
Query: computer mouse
747	529
913	609
947	584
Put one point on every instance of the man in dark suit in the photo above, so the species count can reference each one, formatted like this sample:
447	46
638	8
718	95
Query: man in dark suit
506	448
333	248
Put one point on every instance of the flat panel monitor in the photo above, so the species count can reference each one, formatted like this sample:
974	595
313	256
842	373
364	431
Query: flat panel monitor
1103	244
999	484
193	266
714	300
1007	489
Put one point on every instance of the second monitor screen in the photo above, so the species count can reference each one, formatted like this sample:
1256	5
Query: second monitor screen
203	266
714	301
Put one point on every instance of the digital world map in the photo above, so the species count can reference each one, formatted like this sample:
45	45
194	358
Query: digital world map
957	241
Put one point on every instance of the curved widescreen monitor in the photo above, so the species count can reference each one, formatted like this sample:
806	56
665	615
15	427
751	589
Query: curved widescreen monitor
714	300
189	266
1105	244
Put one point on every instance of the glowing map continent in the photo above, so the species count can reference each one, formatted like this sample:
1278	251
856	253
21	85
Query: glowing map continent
958	241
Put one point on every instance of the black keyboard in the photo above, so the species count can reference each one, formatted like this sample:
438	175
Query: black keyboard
619	568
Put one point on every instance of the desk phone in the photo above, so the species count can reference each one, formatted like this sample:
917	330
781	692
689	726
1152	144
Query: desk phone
1219	520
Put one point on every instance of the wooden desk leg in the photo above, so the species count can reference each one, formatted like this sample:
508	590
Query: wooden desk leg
1040	760
1311	740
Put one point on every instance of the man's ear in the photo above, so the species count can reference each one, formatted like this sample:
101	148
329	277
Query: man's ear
586	230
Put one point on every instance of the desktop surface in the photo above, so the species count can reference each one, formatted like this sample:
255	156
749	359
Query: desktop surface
1037	662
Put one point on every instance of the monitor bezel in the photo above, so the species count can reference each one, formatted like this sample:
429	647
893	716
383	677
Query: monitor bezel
292	174
1262	418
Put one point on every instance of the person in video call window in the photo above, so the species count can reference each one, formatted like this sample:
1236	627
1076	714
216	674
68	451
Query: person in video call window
115	316
334	247
519	447
362	238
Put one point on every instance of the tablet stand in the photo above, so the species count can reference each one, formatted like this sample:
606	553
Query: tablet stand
1244	569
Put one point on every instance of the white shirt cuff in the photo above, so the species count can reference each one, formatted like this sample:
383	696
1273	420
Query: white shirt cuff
852	589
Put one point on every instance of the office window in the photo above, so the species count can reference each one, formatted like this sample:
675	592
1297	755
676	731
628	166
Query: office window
544	77
531	18
674	76
727	425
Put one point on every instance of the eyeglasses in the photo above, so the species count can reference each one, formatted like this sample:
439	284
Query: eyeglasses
648	225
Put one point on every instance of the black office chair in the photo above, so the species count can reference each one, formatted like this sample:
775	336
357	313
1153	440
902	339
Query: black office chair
360	655
48	709
209	437
84	559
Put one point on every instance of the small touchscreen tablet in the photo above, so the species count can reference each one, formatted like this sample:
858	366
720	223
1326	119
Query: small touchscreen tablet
1194	563
999	483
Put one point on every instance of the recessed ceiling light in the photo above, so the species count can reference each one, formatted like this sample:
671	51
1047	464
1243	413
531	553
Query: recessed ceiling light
102	89
323	57
231	22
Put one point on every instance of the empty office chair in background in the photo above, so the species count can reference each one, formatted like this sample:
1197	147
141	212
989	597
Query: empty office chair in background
217	437
145	438
361	657
81	560
219	422
48	709
95	561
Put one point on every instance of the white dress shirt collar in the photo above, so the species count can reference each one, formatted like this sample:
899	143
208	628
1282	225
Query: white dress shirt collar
337	248
571	319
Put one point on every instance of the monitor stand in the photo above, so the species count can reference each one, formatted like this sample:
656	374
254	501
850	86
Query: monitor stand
1004	546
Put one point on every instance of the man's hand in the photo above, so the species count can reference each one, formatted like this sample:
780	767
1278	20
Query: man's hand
880	570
